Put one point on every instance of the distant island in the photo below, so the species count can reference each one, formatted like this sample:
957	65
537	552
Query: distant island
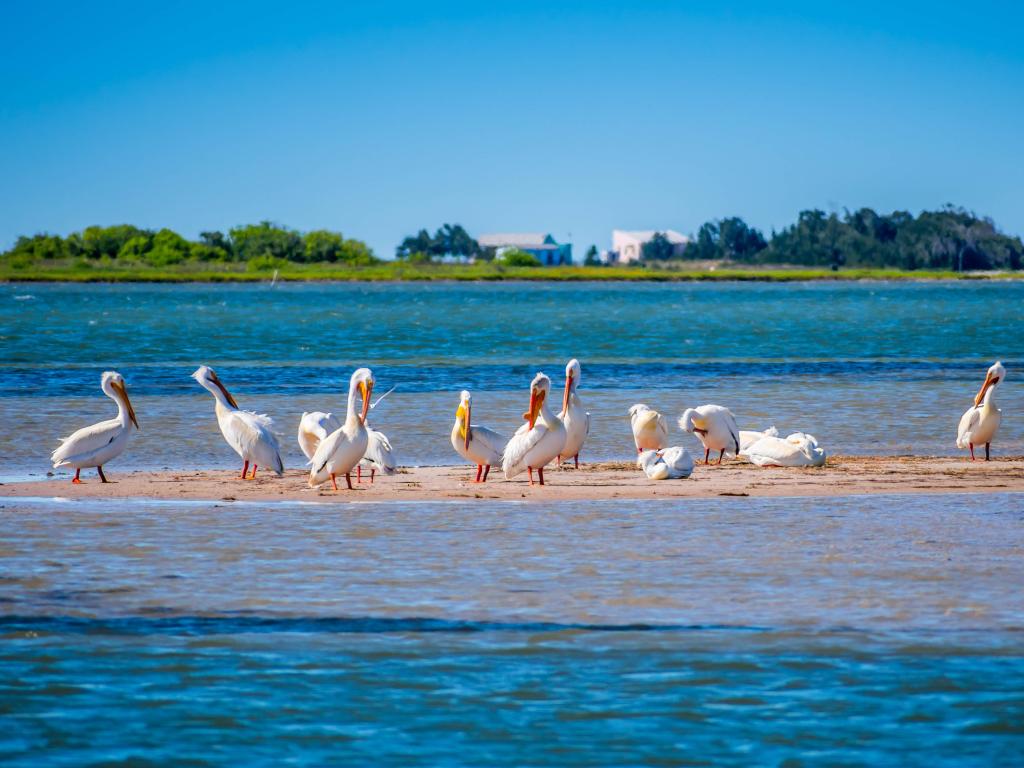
947	243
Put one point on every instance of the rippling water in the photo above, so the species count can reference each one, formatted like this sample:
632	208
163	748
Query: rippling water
866	367
865	630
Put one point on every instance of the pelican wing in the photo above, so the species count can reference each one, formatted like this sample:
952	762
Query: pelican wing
86	440
379	452
514	455
749	437
487	442
314	427
969	422
250	434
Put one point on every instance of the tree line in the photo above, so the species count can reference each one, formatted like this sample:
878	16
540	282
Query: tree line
126	243
949	239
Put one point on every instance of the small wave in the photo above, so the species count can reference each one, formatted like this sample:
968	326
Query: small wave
24	297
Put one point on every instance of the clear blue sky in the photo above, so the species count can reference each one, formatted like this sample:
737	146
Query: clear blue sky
378	119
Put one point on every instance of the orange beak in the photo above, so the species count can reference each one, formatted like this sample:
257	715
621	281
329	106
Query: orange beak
127	403
990	381
469	420
565	397
367	391
536	398
227	395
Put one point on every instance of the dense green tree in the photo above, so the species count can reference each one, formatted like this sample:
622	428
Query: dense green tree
516	258
591	259
266	239
658	248
449	240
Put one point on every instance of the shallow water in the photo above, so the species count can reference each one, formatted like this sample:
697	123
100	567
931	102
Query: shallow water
868	368
854	630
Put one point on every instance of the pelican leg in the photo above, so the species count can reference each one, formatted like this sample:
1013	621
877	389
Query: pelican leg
530	470
487	470
359	473
576	458
540	472
721	455
348	479
479	469
334	481
253	475
707	453
245	469
373	473
103	478
971	446
77	480
987	457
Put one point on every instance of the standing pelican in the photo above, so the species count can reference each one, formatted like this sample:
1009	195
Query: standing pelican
542	442
980	422
379	456
476	444
575	419
672	463
248	433
94	446
715	427
650	430
340	451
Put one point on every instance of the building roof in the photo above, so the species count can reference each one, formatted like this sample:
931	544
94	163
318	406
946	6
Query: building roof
516	240
644	235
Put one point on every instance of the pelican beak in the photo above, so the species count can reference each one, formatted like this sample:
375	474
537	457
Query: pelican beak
565	397
465	427
990	381
227	395
536	398
127	403
366	390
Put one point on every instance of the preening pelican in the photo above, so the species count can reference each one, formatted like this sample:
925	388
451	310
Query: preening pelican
341	450
650	430
980	422
542	442
476	444
716	428
379	456
96	445
573	416
670	464
796	450
314	427
248	433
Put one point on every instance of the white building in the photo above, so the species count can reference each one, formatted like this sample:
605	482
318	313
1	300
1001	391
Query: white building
540	244
628	246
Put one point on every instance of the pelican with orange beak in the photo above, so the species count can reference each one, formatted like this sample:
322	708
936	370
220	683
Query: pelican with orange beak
100	443
341	451
980	422
542	442
249	434
476	444
573	416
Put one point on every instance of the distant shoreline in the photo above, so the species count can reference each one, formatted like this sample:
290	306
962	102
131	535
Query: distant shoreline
404	273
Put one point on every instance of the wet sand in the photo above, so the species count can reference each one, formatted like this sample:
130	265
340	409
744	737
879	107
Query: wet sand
842	476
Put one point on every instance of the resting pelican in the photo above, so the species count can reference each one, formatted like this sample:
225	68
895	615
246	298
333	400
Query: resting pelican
96	445
670	464
476	444
715	427
980	422
248	433
650	430
749	437
797	450
544	440
341	450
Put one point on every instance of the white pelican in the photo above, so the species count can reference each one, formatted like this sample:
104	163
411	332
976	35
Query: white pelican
670	464
715	427
575	419
650	430
379	456
476	444
341	450
796	450
544	440
313	428
248	433
749	437
980	422
96	445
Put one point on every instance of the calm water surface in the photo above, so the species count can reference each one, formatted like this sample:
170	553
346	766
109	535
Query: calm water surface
867	367
873	630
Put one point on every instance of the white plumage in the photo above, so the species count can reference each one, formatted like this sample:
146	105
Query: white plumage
342	449
313	428
715	427
379	456
248	433
575	419
796	450
476	444
650	429
749	437
980	422
673	463
95	445
542	442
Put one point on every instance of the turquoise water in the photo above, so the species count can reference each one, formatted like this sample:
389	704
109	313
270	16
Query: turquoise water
855	631
868	368
870	630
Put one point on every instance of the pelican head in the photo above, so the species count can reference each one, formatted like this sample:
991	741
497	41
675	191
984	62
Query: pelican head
362	380
993	376
464	415
539	389
208	379
688	421
572	380
112	384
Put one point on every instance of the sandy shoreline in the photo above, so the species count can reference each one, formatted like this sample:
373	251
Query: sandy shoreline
843	476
